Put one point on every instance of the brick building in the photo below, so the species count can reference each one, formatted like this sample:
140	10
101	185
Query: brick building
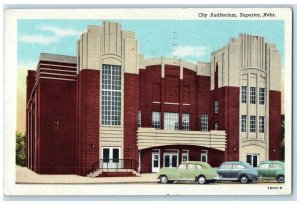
109	110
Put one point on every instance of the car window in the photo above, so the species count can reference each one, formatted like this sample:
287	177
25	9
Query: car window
198	166
264	166
275	166
191	166
182	166
238	166
226	166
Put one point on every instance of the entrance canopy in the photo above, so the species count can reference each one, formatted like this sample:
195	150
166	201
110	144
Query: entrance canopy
151	137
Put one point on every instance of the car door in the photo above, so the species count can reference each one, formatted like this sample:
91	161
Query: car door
181	171
224	171
263	170
274	168
236	169
191	171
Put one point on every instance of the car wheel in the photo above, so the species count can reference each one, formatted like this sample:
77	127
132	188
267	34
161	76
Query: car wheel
280	179
163	179
201	180
244	179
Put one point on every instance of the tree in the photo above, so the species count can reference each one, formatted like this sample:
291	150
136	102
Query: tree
20	149
282	137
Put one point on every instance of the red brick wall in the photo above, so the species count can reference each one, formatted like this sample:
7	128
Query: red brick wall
227	118
215	157
131	96
56	127
30	80
88	120
275	125
203	98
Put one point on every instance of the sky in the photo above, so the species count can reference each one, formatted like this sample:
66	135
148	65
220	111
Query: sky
191	40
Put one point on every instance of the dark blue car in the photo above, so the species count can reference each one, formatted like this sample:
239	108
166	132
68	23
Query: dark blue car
237	171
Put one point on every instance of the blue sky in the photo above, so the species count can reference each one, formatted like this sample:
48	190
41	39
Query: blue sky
192	40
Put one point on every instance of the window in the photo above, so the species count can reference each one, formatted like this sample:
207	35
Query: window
252	159
185	155
226	166
203	156
156	120
204	122
244	94
198	166
275	166
171	121
261	96
185	121
261	124
252	95
182	166
243	123
252	123
264	166
139	119
191	166
216	126
238	166
216	106
111	95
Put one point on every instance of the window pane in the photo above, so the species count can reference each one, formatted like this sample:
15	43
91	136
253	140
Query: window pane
156	120
111	95
261	124
115	155
185	121
244	94
252	123
262	96
204	122
105	155
243	123
171	121
252	95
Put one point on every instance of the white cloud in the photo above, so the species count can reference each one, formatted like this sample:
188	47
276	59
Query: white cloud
190	51
56	34
59	32
39	39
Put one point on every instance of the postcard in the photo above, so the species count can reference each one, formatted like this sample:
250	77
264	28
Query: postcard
154	101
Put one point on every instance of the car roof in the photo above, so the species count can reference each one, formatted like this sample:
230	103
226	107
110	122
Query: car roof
196	162
267	162
237	162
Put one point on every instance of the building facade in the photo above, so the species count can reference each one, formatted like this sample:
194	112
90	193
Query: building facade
110	109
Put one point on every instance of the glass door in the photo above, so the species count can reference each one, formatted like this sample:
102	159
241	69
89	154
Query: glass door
155	162
110	158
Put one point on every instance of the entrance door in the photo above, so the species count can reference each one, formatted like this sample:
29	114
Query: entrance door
253	159
111	158
155	162
170	160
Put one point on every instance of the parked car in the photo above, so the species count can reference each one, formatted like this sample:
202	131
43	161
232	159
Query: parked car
272	169
237	171
200	172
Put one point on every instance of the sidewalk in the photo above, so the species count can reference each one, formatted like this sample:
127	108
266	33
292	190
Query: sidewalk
25	175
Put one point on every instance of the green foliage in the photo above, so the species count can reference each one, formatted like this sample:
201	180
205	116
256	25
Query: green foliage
20	149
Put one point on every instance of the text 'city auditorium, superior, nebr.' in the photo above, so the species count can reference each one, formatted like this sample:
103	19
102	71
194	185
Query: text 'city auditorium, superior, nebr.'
112	112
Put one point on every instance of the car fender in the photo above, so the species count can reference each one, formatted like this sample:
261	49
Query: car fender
280	172
249	174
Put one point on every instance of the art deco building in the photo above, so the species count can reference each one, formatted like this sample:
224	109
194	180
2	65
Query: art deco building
108	111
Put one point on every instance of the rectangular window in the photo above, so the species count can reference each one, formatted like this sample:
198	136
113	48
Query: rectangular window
185	121
156	120
252	159
243	123
139	119
252	123
185	156
244	94
171	121
204	156
204	122
252	95
261	124
261	96
216	126
111	95
216	106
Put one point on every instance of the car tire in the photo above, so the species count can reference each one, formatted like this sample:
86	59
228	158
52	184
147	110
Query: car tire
280	179
244	179
201	179
163	179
